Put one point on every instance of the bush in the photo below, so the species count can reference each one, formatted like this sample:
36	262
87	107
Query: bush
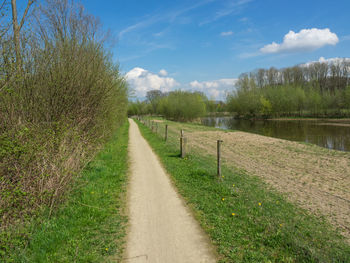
57	106
182	106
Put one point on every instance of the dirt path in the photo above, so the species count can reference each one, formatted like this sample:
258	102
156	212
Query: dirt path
161	227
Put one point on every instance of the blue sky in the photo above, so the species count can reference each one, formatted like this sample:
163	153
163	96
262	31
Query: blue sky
205	45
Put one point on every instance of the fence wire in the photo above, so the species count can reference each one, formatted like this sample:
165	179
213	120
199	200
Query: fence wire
173	135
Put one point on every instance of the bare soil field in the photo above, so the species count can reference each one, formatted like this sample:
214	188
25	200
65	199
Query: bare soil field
317	179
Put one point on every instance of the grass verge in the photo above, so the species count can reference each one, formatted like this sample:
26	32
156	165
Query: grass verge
90	225
245	220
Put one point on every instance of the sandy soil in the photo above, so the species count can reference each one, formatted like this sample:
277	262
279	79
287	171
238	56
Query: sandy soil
161	228
318	179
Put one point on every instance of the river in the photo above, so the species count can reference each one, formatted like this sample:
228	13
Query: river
331	134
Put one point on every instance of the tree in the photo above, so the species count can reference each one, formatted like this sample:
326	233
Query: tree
153	97
17	28
266	107
183	105
4	25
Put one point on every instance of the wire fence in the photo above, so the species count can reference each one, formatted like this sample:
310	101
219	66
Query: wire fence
182	138
282	164
170	133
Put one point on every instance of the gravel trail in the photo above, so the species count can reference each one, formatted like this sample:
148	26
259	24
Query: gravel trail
161	227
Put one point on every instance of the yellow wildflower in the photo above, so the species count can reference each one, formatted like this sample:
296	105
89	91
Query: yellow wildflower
106	248
223	199
259	204
233	214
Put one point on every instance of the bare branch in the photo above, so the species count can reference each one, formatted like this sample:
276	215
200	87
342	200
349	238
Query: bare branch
2	5
30	2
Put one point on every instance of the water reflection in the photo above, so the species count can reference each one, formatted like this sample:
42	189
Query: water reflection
325	134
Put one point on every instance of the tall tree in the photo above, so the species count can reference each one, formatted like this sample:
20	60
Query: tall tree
17	28
4	25
153	97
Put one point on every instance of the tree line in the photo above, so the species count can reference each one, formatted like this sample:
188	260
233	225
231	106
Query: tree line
317	89
61	98
177	105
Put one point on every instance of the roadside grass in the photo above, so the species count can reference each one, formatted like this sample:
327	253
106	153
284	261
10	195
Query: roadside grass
90	225
246	220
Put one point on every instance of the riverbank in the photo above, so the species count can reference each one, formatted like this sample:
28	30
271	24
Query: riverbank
297	118
327	133
89	226
246	218
310	119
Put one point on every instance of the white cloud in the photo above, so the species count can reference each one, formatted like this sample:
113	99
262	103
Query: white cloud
163	73
305	40
329	61
225	34
216	89
168	17
234	7
243	19
141	81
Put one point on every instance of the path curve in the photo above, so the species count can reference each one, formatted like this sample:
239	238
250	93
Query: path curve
161	228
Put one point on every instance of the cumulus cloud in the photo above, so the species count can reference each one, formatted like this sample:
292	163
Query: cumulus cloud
216	89
225	34
163	73
329	61
304	40
141	81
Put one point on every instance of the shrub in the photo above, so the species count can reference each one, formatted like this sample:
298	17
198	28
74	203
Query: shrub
182	105
64	101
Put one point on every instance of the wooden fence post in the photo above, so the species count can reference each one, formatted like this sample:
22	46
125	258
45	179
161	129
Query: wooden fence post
182	145
219	157
181	138
166	132
184	142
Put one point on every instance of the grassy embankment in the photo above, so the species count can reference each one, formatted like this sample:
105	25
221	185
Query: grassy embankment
90	225
246	221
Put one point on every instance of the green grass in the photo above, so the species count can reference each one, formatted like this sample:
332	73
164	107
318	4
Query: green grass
275	231
90	225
